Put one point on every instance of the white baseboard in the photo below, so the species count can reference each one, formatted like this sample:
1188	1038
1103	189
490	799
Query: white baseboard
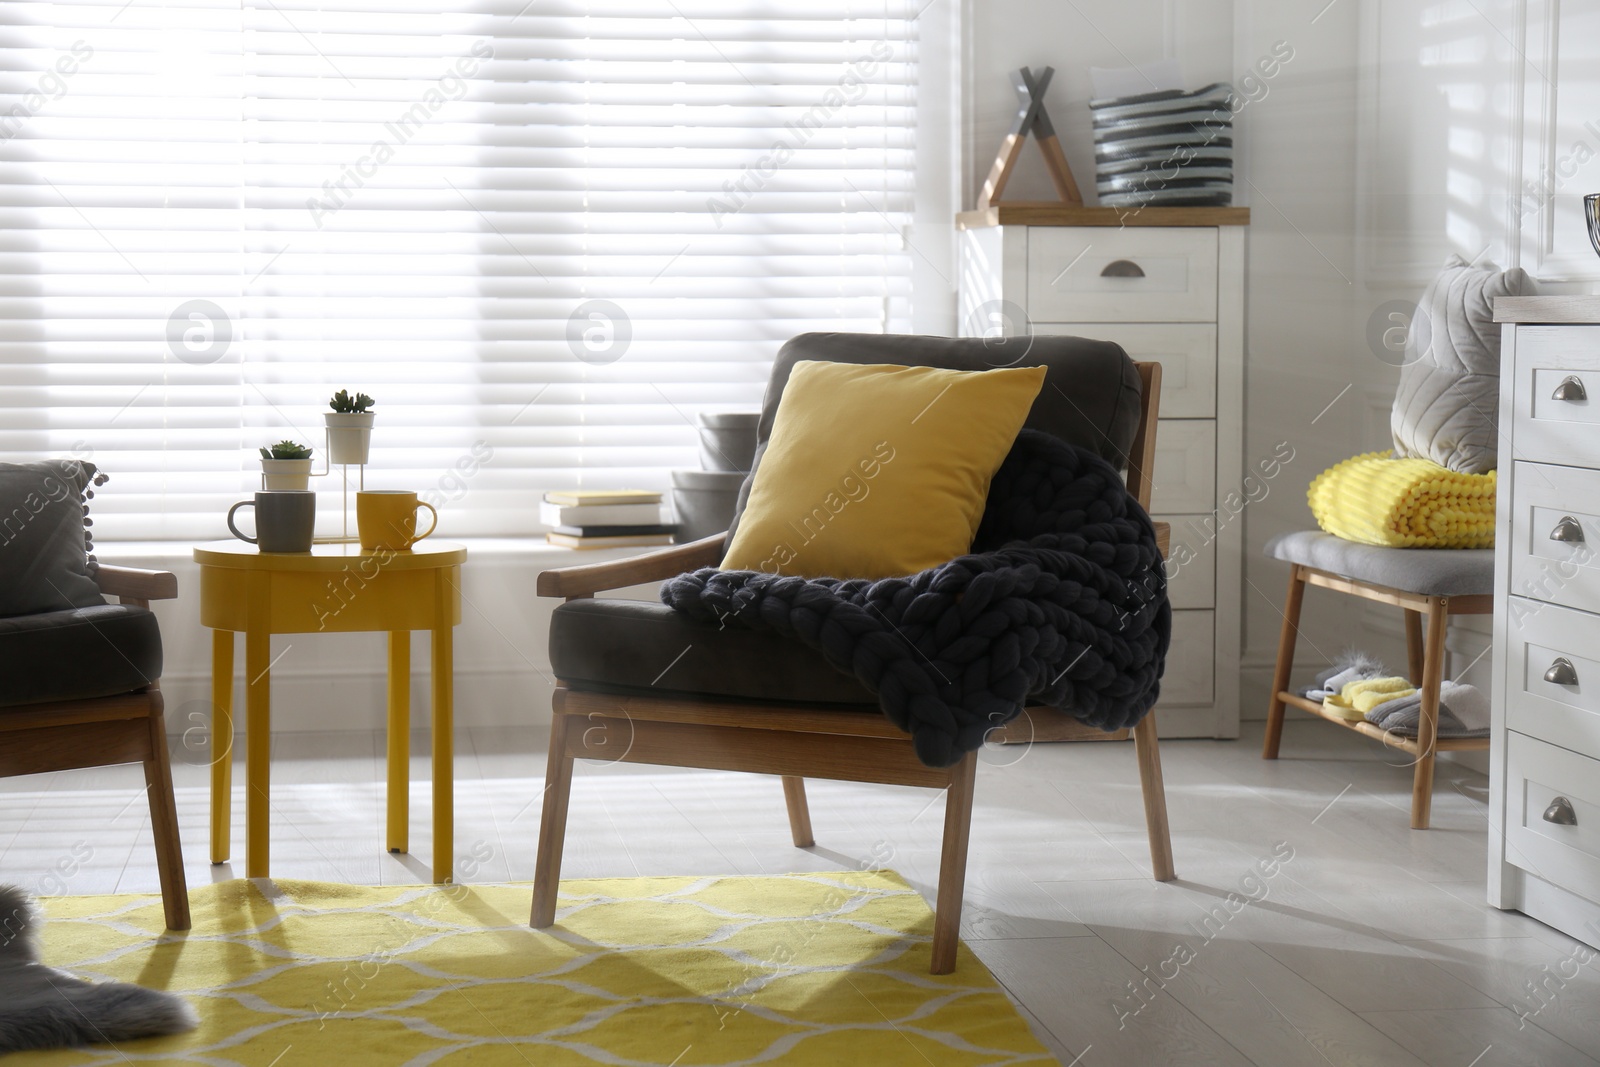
356	700
1173	722
1255	688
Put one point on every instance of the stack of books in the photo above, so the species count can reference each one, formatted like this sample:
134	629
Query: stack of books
604	518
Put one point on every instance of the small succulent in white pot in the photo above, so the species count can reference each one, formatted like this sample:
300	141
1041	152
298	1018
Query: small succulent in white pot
349	427
286	465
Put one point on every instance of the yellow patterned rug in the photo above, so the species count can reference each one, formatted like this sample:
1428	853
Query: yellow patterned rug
795	970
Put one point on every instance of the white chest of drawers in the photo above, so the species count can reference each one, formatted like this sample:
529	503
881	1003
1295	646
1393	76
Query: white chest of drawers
1544	797
1167	284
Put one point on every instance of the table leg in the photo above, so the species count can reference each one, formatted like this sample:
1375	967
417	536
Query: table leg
444	594
398	835
221	743
258	733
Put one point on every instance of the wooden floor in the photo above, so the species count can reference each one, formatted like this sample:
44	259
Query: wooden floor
1371	945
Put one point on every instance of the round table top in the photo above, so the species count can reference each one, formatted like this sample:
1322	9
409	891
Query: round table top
235	554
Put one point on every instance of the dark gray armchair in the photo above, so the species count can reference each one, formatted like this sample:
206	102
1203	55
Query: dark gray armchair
79	677
640	683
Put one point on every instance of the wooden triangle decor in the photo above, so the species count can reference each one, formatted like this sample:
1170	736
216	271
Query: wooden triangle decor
1031	118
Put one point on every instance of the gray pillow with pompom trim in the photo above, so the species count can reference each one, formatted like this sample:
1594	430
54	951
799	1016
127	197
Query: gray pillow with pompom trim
44	557
1447	407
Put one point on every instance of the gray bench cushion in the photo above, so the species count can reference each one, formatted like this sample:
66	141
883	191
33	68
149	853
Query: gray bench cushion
1426	571
73	655
645	647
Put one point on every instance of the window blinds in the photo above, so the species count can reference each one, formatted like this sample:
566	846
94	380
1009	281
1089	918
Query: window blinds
543	236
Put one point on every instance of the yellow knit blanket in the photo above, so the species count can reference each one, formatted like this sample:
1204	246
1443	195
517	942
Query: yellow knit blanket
1404	503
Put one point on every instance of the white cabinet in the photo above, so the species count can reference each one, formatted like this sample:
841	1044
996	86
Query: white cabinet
1073	274
1544	786
1168	286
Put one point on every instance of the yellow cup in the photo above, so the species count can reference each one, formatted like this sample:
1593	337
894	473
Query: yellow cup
387	518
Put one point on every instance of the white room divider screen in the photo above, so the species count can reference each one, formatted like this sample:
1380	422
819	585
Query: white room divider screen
542	235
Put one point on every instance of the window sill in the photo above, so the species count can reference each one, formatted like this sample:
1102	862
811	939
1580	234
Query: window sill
532	547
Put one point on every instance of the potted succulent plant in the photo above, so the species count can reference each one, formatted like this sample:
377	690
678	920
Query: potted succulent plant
286	465
349	427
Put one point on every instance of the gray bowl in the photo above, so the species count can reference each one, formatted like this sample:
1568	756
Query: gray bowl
728	440
703	502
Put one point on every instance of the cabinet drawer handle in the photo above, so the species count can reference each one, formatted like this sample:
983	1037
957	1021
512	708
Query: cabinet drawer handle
1127	268
1569	530
1571	388
1562	672
1560	812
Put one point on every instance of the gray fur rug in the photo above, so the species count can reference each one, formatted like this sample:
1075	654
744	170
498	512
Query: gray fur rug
41	1007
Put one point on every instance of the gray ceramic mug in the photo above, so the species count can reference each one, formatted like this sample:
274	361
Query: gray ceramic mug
285	519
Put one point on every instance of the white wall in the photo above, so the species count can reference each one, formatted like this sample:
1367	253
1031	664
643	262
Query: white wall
1004	35
1298	174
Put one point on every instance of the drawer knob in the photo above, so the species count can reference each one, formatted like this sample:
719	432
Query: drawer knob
1562	672
1560	812
1127	268
1571	388
1569	530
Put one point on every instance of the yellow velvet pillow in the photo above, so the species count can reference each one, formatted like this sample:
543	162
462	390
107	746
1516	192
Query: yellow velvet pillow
876	471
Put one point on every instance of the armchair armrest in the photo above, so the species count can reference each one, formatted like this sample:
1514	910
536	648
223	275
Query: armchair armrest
593	578
132	585
571	582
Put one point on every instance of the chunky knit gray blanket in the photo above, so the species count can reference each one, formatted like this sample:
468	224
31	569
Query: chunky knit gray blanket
1062	601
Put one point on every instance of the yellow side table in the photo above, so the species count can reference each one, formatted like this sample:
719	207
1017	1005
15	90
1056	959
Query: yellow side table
331	589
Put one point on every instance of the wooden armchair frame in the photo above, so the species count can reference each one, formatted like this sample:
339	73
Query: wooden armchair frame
102	731
796	742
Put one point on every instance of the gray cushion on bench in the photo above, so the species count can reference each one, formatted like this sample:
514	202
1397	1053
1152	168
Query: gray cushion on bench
88	652
1426	571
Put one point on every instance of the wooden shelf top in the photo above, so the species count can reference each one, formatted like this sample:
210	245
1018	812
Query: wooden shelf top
1388	737
1552	309
1055	213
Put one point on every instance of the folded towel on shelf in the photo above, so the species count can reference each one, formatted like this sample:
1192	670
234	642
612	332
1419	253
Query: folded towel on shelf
1349	667
1370	692
1470	704
1401	716
1375	499
1356	698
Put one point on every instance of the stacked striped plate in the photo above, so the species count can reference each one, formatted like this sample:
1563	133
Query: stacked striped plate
1164	148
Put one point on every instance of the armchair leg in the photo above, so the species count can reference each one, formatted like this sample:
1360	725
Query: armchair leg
1428	720
1280	673
794	796
953	864
552	826
164	821
1148	752
1414	658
